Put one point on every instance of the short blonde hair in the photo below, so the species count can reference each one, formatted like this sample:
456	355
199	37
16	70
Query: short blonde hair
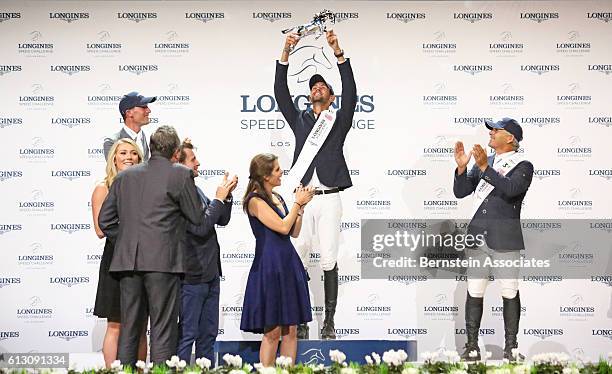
111	168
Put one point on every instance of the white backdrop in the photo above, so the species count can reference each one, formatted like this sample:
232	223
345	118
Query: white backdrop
427	74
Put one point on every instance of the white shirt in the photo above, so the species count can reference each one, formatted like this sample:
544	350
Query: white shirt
137	137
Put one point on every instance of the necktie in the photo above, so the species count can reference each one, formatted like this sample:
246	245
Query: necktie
145	148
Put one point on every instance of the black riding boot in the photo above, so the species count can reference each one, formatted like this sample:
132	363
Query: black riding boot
512	315
473	315
330	287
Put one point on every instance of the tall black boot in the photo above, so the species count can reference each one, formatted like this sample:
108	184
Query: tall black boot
512	315
330	287
473	315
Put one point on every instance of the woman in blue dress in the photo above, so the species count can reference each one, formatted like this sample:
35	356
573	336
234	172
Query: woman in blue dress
276	298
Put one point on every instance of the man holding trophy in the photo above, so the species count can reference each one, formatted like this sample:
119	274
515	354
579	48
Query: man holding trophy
318	161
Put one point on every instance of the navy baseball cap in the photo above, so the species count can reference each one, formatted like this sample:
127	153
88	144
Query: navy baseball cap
507	124
133	99
318	78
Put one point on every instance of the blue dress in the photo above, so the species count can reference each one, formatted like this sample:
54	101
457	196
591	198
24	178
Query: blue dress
277	288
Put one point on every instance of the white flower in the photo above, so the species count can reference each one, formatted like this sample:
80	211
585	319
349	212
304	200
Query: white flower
247	367
181	364
368	360
337	356
203	363
410	371
376	358
121	372
609	356
236	371
473	353
141	364
571	370
283	361
521	369
231	360
284	371
116	365
452	356
173	362
394	358
488	355
347	371
150	366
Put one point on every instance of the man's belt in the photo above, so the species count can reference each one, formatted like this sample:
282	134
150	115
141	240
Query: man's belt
325	192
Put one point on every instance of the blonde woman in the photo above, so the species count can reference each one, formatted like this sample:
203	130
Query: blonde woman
123	154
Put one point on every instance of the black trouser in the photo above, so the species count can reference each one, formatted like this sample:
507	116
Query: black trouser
160	293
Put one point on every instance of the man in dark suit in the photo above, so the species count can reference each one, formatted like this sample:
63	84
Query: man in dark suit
145	213
135	112
327	170
499	184
199	315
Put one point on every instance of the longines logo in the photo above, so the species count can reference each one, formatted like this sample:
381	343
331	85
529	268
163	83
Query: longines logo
205	17
9	227
406	279
439	150
173	99
34	311
440	46
481	331
575	255
541	121
138	69
137	17
239	255
346	278
539	17
9	174
69	281
506	46
70	174
5	16
5	69
68	17
539	69
606	69
473	69
151	120
233	311
267	103
36	100
602	173
441	308
543	333
575	204
542	226
440	98
4	335
546	173
367	256
604	226
207	174
498	311
344	16
356	225
373	203
473	17
70	228
37	259
471	121
441	203
10	121
172	46
507	98
407	332
605	279
374	310
4	281
542	279
35	47
103	47
602	121
575	150
406	174
37	151
70	69
342	332
271	16
36	204
576	308
600	16
605	333
68	335
573	46
104	99
71	122
406	17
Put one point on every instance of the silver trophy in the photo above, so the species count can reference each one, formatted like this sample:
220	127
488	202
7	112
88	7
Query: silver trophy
318	25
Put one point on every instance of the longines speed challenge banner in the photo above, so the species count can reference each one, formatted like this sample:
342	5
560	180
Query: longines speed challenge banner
427	73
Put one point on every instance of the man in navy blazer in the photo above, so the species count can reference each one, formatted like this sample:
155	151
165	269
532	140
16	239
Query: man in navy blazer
499	184
327	172
199	315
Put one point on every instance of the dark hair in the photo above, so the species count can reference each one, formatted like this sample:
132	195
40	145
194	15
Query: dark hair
186	144
165	141
262	166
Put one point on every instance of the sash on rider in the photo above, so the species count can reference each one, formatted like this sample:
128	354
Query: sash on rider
502	164
314	141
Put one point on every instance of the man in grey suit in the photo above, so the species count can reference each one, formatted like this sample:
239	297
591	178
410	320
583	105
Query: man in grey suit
498	184
145	213
135	112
